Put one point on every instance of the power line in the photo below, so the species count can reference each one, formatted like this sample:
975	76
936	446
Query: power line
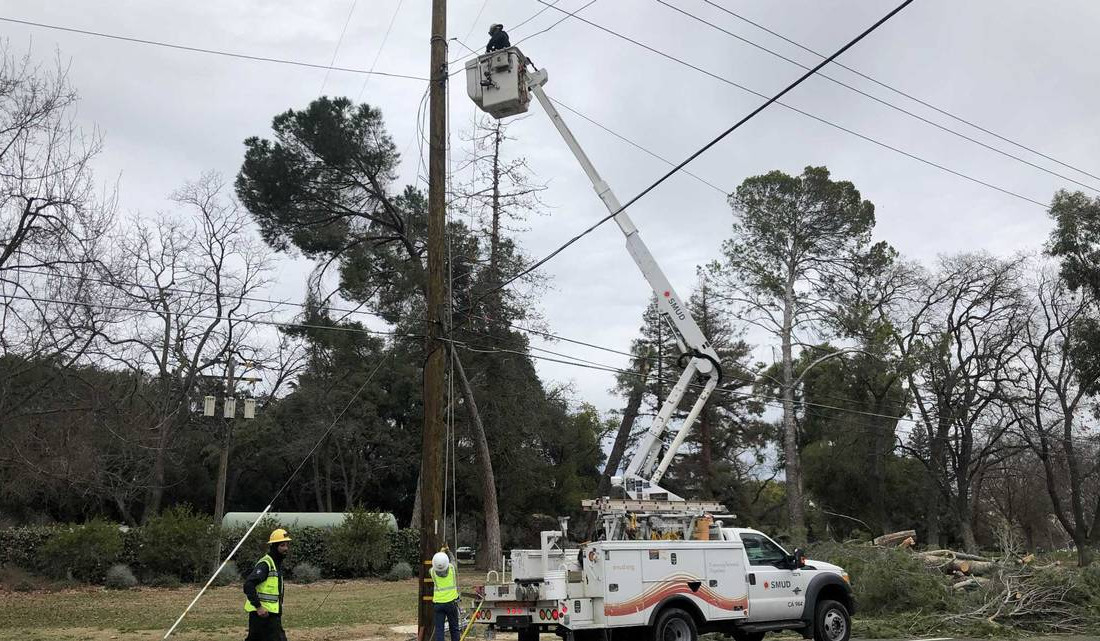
867	138
702	149
638	146
215	52
903	93
885	103
767	400
339	41
196	315
548	6
565	360
382	46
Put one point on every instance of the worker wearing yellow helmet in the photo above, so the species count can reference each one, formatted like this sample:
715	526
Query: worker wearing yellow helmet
263	590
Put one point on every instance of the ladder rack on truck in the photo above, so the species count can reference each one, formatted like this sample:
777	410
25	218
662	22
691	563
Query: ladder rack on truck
662	567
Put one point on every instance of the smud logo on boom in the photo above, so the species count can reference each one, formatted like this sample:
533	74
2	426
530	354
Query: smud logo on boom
675	305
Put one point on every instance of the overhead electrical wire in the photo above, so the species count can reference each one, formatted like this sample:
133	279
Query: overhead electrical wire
215	52
339	41
549	6
824	121
724	192
385	39
701	150
902	93
875	98
566	360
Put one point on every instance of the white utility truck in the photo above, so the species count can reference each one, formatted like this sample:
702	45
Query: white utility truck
662	567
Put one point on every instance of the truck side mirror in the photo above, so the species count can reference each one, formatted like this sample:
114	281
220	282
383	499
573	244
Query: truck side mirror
798	559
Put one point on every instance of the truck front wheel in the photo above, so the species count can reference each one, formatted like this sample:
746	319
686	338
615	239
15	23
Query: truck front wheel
675	625
831	622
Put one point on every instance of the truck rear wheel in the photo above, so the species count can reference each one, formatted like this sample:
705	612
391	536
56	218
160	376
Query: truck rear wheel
675	625
832	622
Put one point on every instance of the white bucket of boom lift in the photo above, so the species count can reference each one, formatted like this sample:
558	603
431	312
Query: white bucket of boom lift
497	82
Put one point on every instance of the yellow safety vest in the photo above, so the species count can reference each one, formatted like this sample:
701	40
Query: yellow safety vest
270	590
446	586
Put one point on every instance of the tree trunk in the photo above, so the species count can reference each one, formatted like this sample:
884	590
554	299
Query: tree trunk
795	508
488	558
626	426
317	485
414	521
1084	554
705	454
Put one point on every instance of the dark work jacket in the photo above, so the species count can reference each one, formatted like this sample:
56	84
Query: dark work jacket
497	41
258	576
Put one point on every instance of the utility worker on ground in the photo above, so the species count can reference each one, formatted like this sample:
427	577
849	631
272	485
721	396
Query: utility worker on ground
498	39
445	595
264	591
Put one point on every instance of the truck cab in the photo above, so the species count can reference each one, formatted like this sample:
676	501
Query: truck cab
786	590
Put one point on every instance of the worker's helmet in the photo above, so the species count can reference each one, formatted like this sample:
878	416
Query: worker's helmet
495	27
440	562
278	536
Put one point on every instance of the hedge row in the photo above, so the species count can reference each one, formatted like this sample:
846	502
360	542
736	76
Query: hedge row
180	543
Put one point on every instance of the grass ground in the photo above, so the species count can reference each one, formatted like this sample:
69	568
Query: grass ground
324	611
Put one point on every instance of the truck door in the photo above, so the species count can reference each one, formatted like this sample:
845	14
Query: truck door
725	589
775	592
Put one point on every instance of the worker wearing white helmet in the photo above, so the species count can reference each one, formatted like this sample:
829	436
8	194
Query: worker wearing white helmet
445	594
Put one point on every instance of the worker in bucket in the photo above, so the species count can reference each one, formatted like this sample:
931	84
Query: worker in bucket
264	591
445	594
498	39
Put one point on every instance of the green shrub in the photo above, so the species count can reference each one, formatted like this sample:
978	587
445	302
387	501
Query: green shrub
307	544
22	546
405	547
306	572
119	577
399	572
178	542
227	574
164	581
83	552
360	546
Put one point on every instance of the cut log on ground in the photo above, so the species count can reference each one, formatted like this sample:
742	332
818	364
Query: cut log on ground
970	583
956	555
894	538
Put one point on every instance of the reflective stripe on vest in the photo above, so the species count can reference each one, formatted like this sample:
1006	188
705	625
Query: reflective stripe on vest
446	586
269	590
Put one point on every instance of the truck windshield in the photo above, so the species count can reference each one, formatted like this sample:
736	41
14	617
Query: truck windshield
761	550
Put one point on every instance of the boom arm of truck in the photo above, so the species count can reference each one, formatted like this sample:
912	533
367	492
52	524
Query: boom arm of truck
497	72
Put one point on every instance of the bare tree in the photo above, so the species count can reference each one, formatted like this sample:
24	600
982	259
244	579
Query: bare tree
186	279
52	225
1054	407
959	331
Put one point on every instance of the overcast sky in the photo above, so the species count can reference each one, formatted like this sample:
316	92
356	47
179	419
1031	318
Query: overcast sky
1025	70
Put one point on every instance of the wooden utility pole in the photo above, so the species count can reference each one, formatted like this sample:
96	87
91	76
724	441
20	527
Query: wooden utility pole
431	463
223	459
